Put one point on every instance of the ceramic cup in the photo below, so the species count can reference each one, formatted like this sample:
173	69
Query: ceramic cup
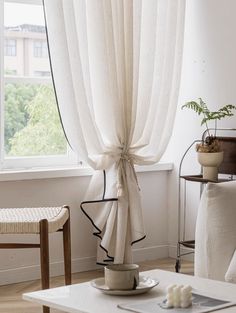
122	276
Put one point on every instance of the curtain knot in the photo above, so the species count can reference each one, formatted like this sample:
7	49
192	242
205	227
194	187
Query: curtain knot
126	157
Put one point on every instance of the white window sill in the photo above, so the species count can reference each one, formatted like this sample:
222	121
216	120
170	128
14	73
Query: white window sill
45	173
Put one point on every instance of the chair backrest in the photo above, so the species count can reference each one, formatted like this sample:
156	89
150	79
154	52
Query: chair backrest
228	145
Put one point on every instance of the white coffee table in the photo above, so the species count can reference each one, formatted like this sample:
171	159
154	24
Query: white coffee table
83	298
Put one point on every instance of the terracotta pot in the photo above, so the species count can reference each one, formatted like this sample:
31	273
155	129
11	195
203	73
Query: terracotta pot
210	163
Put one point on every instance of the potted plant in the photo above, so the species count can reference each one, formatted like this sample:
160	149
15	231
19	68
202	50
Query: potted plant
210	155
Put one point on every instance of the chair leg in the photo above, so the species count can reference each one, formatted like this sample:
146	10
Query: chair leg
44	257
67	251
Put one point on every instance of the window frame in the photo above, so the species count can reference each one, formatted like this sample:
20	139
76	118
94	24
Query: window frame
26	162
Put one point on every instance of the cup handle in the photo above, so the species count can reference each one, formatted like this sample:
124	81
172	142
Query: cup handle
135	283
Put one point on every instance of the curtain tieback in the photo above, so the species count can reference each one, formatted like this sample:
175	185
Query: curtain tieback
128	158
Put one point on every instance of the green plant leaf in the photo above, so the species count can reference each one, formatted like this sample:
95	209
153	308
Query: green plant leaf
202	109
194	106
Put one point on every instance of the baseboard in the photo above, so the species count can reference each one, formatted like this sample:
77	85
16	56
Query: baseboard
173	253
150	253
21	274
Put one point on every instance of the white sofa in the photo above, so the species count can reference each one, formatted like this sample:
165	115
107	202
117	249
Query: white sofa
216	233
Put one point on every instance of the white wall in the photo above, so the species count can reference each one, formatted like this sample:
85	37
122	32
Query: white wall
20	265
209	72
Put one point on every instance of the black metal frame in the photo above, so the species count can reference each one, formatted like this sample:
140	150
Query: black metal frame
189	244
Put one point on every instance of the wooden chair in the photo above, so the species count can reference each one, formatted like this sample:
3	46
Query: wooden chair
40	221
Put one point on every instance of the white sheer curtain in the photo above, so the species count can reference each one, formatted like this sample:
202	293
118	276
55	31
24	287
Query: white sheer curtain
116	67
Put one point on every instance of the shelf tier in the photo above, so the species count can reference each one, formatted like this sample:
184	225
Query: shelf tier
188	244
200	179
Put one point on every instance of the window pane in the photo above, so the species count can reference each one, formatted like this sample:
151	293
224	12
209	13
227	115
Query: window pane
10	47
25	50
32	124
40	49
42	73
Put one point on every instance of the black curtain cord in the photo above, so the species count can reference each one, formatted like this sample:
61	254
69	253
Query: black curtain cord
53	80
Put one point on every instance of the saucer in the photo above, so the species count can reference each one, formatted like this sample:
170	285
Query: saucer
145	284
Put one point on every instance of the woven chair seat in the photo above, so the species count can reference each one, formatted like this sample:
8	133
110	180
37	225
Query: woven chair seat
26	220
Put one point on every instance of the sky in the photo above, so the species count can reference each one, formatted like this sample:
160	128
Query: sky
17	14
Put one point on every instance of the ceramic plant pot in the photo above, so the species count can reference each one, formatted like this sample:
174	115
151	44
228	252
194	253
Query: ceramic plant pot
210	163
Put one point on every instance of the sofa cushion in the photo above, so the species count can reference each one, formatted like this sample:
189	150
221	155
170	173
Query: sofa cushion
216	230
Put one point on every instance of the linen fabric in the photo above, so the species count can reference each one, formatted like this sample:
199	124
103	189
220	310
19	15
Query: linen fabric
215	231
116	67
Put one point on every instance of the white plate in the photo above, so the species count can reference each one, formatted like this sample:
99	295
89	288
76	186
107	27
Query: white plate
145	284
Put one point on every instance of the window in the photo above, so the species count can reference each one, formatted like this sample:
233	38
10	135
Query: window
42	73
10	72
30	127
10	47
40	49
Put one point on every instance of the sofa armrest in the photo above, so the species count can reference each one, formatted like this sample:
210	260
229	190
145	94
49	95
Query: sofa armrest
230	275
216	231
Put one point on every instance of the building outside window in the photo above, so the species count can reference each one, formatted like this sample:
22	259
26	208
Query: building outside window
10	72
40	49
10	47
42	73
31	134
